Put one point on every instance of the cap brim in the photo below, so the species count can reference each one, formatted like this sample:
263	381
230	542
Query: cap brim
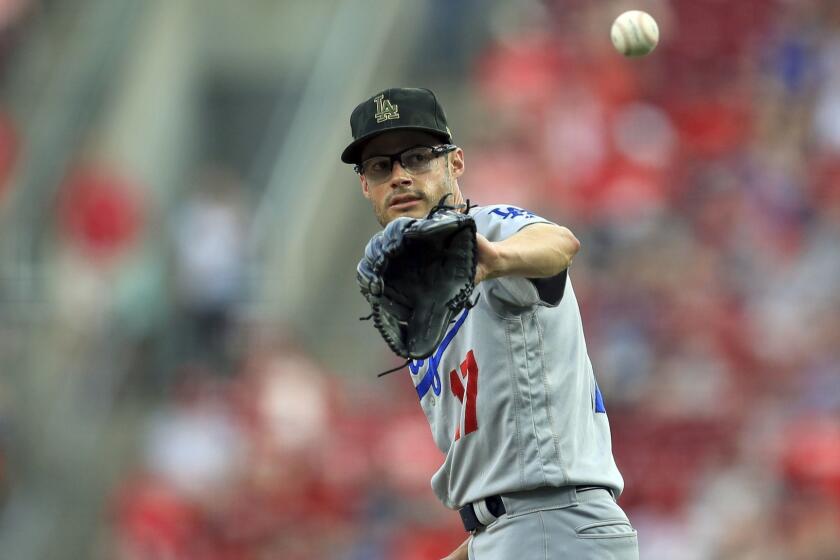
353	152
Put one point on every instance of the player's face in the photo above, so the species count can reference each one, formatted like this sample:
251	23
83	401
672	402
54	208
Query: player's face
401	192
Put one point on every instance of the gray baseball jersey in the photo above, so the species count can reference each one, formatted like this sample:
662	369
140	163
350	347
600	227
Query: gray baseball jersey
510	394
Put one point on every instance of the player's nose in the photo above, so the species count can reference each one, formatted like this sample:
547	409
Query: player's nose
399	176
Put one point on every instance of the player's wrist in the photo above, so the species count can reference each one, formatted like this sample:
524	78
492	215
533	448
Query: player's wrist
492	260
503	262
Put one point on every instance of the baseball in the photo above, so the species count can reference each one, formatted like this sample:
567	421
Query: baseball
634	33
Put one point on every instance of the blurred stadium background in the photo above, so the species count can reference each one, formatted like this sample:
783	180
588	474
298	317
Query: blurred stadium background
183	373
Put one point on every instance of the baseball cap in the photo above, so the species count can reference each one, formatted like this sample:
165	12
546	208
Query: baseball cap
394	109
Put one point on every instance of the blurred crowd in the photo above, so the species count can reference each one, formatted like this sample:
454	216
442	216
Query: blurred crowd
704	184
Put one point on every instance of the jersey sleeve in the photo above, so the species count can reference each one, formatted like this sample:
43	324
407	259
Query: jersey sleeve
497	223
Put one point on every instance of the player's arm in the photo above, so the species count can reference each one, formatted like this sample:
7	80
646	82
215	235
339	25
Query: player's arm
537	251
460	553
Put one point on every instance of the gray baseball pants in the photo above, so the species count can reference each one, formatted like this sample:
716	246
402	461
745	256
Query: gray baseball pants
555	524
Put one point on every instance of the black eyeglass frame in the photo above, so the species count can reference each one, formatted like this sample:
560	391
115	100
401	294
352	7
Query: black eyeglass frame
437	151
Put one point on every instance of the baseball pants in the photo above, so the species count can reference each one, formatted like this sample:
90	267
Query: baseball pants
557	523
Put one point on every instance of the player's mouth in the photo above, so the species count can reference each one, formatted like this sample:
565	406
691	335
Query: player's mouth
404	202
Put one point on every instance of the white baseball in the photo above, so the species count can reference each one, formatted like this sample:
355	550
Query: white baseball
634	33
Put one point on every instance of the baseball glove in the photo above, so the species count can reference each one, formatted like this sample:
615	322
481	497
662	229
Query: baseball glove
417	274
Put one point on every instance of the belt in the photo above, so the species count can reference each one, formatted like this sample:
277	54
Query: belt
482	513
470	512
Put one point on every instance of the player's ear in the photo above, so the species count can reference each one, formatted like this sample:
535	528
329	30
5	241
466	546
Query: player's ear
456	162
365	190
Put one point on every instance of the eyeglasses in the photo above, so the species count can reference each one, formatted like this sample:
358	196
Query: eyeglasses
414	160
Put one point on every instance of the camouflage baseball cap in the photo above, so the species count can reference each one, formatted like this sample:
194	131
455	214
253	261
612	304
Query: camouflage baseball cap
395	109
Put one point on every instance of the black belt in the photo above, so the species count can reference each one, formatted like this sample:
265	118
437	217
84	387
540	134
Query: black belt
497	508
471	523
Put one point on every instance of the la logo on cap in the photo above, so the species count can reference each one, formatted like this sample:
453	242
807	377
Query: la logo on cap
385	110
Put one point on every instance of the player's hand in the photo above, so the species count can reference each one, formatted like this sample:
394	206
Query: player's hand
488	259
460	553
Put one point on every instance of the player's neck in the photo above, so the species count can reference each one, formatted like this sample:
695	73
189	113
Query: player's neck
457	197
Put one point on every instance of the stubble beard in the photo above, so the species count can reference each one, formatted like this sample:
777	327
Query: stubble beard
380	215
384	218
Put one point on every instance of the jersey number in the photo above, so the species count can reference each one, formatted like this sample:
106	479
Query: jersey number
467	396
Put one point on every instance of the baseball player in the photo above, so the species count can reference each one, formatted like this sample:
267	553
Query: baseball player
509	394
